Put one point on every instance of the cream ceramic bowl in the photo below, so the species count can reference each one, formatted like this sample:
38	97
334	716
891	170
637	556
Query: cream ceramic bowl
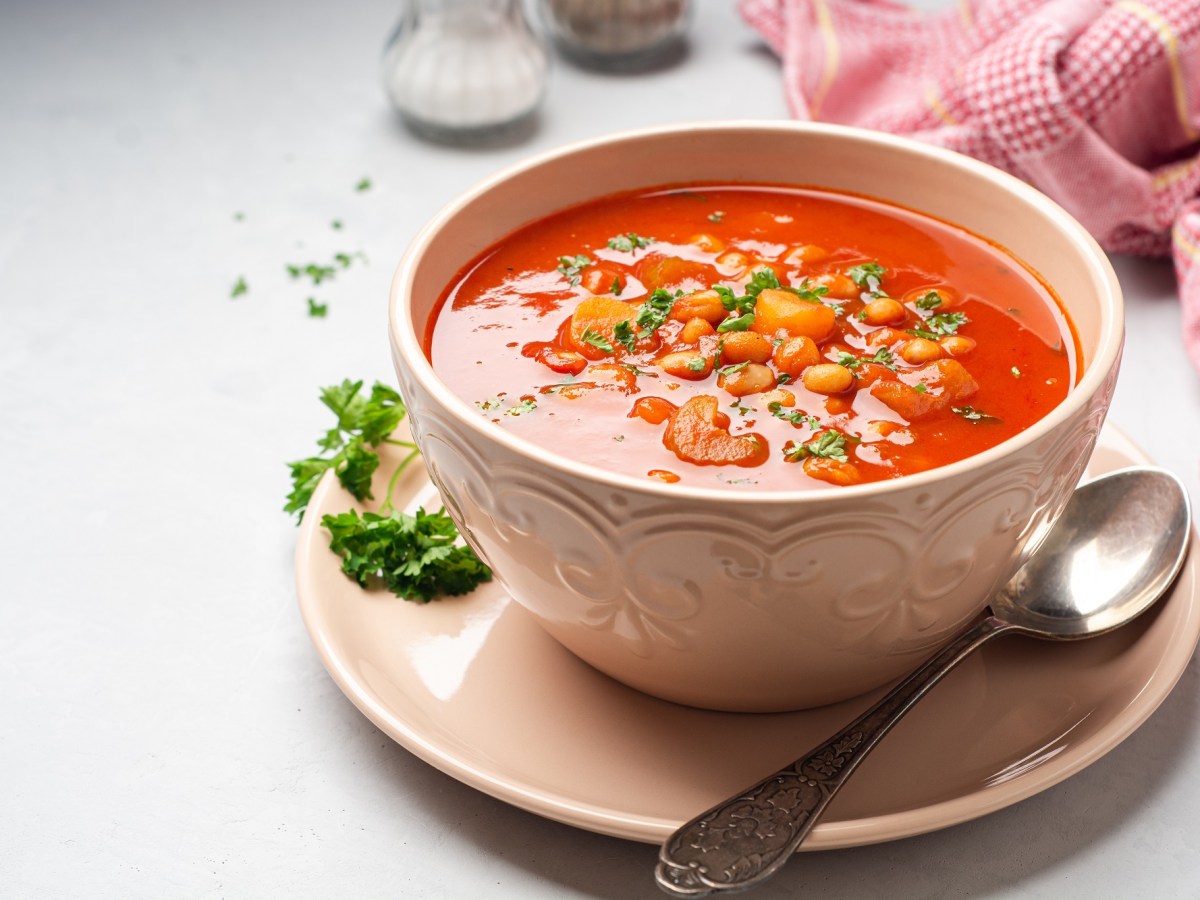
761	600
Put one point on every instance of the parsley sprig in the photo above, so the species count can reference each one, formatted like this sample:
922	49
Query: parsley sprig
363	423
416	556
654	312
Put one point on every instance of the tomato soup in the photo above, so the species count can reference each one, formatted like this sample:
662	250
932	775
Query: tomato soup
755	336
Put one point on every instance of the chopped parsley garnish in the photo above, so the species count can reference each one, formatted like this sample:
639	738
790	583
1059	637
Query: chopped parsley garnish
883	356
624	334
717	216
569	267
415	556
736	323
813	292
527	404
239	217
931	300
1016	373
489	404
317	310
795	416
597	340
761	279
867	275
641	373
336	224
940	324
697	364
362	424
654	312
239	287
828	444
726	371
615	288
628	242
364	184
972	414
920	388
732	302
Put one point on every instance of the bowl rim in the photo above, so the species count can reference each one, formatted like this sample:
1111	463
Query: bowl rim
406	343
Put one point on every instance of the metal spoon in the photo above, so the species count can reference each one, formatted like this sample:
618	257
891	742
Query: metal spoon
1115	550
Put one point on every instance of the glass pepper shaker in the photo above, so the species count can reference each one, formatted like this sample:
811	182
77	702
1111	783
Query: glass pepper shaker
617	34
461	71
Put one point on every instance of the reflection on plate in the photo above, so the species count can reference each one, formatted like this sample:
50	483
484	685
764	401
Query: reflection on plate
473	686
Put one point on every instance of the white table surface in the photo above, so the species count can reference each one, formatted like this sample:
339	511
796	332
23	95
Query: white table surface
166	728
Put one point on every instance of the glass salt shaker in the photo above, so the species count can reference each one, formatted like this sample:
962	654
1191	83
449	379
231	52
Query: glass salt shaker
461	71
617	34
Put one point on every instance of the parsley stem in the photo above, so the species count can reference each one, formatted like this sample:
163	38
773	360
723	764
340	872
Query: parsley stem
397	443
387	508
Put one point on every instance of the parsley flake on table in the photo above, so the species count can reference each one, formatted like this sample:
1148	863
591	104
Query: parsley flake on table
416	556
628	242
315	271
317	310
239	287
364	184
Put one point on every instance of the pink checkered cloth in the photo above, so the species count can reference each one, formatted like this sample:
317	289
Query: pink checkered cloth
1095	103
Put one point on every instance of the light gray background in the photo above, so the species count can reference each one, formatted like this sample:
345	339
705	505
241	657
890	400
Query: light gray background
166	729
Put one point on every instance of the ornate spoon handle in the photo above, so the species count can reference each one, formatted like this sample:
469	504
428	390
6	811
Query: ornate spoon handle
744	840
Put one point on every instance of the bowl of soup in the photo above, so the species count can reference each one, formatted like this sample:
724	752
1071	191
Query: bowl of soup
754	415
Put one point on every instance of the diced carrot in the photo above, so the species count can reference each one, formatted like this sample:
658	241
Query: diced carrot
779	310
599	316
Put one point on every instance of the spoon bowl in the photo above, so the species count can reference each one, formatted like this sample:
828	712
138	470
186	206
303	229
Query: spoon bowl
1115	550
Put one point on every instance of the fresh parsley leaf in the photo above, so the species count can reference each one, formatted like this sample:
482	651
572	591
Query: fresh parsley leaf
726	371
415	556
654	312
239	287
736	323
734	303
828	444
597	340
697	364
946	323
972	414
628	242
795	416
882	356
641	373
931	300
760	279
867	273
615	288
363	422
624	334
317	310
569	267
